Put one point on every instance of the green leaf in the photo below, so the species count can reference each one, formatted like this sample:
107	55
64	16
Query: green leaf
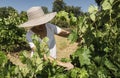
63	15
84	55
93	17
106	49
106	5
46	39
99	34
60	76
101	74
110	65
111	1
24	71
84	73
73	19
74	73
92	9
73	36
3	58
0	20
97	59
78	73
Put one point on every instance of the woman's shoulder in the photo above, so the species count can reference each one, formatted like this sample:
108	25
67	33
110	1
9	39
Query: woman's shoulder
49	24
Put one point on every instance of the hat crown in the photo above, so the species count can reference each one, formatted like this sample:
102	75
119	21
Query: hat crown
35	12
36	16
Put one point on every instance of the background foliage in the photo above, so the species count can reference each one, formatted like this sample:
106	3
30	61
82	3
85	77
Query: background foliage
12	37
100	48
97	56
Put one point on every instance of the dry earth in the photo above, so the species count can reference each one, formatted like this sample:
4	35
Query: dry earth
64	47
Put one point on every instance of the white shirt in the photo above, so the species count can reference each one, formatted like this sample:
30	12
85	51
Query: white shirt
51	30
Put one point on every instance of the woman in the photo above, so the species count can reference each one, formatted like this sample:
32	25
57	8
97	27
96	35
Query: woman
38	24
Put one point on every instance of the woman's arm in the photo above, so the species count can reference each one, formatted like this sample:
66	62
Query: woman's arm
67	65
59	31
64	33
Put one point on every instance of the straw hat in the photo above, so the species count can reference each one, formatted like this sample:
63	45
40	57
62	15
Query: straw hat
36	17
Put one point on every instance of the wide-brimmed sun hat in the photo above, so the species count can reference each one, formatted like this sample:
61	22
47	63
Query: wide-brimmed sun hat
36	16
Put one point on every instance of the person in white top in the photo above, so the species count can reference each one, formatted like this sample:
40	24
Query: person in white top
38	24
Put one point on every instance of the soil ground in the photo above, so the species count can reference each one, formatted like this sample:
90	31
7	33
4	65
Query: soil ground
64	47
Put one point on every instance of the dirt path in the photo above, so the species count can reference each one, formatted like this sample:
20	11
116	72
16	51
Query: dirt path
64	48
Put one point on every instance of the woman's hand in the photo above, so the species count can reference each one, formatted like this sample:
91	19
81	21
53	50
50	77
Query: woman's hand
32	52
64	33
68	65
31	55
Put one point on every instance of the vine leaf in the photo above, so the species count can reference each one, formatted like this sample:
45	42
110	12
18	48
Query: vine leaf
84	55
92	16
73	36
110	65
107	5
93	9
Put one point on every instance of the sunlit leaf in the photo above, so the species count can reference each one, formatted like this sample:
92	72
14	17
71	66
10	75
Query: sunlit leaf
83	74
106	5
92	9
93	17
111	1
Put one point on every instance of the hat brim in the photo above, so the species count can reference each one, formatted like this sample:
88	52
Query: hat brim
39	21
